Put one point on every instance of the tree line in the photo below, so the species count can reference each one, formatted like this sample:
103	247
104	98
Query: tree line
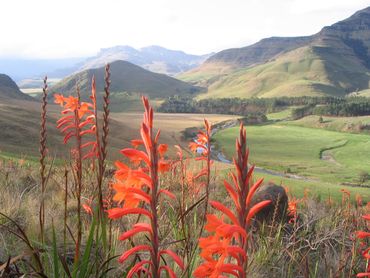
325	106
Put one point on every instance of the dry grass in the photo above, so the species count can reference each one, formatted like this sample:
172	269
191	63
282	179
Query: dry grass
318	245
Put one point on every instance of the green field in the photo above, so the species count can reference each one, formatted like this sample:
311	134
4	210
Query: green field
297	150
281	115
341	124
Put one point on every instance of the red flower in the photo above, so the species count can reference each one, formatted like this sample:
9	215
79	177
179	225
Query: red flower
292	210
79	120
362	235
135	186
230	239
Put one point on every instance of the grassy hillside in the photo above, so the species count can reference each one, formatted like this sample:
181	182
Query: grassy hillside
20	123
312	71
341	124
335	61
10	90
230	59
126	77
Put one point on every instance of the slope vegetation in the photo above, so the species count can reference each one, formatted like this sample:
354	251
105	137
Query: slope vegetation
10	90
335	61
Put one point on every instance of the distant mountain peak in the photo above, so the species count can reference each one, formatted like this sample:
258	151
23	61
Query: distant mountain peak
154	58
359	21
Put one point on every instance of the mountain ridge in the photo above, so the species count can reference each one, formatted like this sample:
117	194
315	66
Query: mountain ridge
342	50
154	58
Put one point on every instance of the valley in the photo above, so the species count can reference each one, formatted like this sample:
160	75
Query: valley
124	158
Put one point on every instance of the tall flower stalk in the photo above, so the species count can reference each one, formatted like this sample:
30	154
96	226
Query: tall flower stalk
202	144
140	185
78	120
43	152
225	250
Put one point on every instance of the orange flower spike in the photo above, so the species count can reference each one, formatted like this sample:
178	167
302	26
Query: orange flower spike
362	235
241	192
139	185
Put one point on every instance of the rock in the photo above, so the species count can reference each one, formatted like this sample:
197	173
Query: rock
275	211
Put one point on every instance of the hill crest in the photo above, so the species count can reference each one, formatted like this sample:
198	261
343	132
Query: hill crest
342	50
129	78
10	90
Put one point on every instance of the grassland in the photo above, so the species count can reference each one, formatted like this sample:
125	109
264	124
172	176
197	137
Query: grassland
341	124
282	145
297	150
281	115
20	123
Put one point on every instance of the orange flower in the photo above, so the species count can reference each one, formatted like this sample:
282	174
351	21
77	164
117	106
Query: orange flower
362	235
79	120
72	103
138	185
162	149
59	99
292	210
230	239
202	142
87	208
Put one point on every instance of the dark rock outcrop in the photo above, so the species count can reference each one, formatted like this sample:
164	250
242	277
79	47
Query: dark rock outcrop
276	211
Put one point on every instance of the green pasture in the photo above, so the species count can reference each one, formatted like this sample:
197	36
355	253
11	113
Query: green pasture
297	150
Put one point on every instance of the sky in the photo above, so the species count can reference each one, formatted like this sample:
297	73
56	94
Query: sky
75	28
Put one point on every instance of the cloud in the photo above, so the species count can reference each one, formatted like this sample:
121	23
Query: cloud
69	28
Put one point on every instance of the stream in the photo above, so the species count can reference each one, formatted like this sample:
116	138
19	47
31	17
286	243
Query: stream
219	156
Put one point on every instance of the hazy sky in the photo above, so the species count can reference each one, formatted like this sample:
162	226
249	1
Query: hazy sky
70	28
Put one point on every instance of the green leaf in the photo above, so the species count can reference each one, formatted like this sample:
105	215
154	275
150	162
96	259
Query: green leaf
86	257
55	254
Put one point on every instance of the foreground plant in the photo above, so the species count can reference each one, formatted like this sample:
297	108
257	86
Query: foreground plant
225	250
138	190
80	119
362	235
43	153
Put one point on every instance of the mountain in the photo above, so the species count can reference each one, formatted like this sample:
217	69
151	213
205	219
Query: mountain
127	80
10	90
19	69
153	58
335	61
